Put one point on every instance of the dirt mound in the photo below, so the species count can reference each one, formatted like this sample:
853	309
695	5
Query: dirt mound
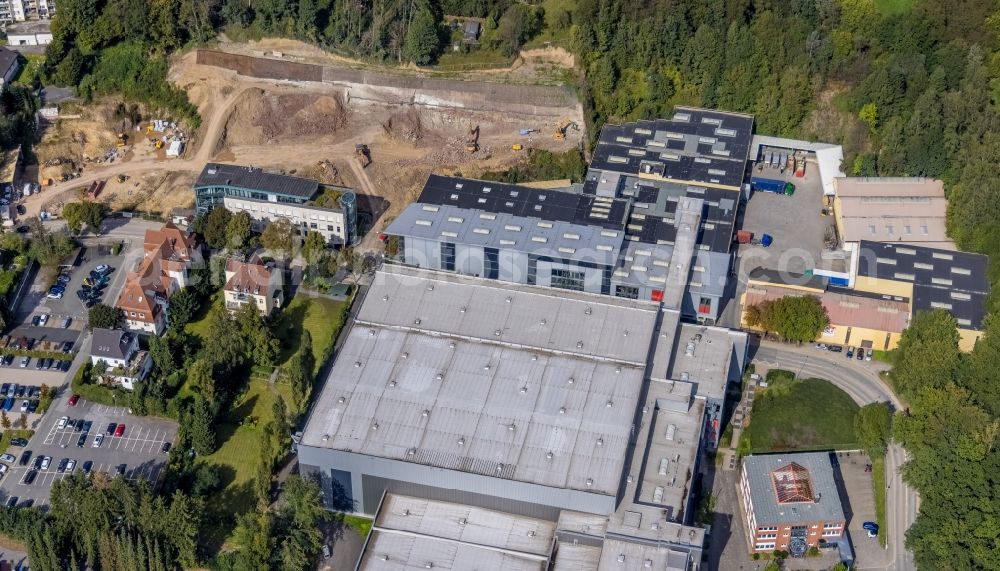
261	117
404	126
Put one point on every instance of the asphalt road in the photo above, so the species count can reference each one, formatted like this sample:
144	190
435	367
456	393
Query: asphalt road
860	380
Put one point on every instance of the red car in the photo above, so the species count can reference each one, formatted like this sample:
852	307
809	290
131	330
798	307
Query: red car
119	430
73	400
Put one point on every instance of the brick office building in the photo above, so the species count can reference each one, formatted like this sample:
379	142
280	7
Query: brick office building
790	502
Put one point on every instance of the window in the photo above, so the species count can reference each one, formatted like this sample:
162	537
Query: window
705	305
491	266
567	279
628	292
765	546
448	256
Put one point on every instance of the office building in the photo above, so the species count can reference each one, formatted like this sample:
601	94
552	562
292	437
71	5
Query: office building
479	397
307	204
790	502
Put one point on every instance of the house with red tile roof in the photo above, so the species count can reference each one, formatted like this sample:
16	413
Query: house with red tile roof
252	283
168	255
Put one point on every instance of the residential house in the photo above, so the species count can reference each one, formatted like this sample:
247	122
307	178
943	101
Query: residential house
168	255
9	66
252	282
119	350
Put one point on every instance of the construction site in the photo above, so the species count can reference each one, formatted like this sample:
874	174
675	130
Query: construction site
376	132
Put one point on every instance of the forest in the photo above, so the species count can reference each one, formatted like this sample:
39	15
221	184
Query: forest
909	87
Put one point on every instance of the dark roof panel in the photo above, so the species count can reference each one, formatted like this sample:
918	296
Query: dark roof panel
256	179
544	204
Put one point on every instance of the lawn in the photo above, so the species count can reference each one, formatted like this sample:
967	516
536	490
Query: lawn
796	414
878	482
321	316
199	324
361	525
239	446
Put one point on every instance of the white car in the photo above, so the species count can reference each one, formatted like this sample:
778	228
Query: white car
9	458
43	319
46	460
3	469
70	466
98	440
62	422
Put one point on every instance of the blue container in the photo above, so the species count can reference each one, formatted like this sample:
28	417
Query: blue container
766	240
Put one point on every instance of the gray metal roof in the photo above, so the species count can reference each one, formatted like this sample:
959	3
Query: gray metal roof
110	343
548	401
767	510
709	357
252	178
564	240
8	59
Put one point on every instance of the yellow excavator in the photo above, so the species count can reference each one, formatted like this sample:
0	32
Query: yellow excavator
563	126
472	139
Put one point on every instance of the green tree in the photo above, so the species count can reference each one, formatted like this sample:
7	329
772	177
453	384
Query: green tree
257	337
80	214
104	316
927	355
13	242
200	427
279	237
793	318
301	516
517	25
50	248
313	247
181	307
200	379
423	38
213	227
238	231
254	541
873	426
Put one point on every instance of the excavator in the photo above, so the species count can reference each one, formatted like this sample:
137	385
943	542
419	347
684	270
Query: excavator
472	139
563	126
363	155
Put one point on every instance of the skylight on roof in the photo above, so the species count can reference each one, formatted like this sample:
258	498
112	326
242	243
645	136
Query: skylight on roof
792	484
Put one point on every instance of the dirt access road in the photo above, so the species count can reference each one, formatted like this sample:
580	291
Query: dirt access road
294	127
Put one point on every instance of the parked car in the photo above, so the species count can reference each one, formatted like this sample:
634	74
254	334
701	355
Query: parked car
19	442
32	405
11	501
111	429
27	503
25	361
861	354
70	466
8	403
326	552
67	346
25	458
82	441
87	466
65	322
3	469
87	425
8	458
54	294
165	448
29	476
24	406
62	422
73	399
120	469
35	320
835	348
44	318
46	460
119	431
61	468
20	392
98	440
850	352
39	363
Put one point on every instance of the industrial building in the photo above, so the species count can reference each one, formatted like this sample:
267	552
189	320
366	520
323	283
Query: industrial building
307	204
654	219
891	210
790	502
888	284
469	403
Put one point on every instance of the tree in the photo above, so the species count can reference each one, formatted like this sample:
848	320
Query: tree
517	25
423	39
793	318
257	337
161	355
300	518
238	230
928	354
313	248
80	214
13	242
200	379
214	226
279	237
873	426
200	426
50	248
182	307
254	542
4	420
104	316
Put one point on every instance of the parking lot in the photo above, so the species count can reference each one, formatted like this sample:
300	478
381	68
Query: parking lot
139	448
794	222
858	499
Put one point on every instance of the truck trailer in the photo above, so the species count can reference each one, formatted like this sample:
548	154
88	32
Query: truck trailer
771	185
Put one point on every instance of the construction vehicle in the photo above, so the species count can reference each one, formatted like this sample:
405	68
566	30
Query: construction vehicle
159	144
472	140
121	178
363	155
122	140
517	147
564	126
